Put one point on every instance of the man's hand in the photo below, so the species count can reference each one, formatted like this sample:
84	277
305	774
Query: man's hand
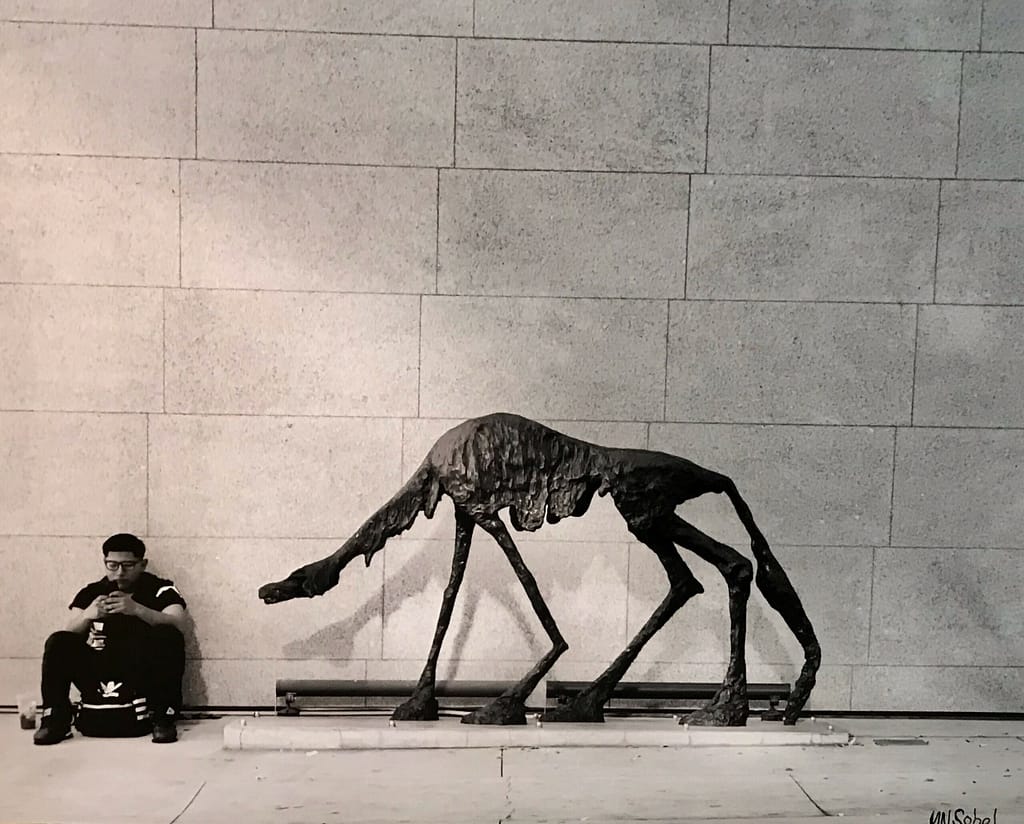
97	609
120	603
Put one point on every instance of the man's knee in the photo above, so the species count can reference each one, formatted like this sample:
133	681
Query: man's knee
168	637
61	641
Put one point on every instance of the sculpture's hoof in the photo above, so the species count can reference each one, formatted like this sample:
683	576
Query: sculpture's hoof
417	708
718	715
504	711
579	712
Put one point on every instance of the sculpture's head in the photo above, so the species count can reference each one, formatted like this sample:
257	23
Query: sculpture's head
291	587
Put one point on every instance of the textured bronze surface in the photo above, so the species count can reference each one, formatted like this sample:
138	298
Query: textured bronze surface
504	461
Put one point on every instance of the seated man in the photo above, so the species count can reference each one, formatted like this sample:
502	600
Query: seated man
129	623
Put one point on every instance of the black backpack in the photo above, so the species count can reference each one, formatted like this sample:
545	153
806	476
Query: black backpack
114	709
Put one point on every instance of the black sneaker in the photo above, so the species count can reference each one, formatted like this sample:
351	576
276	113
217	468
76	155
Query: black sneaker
164	729
54	727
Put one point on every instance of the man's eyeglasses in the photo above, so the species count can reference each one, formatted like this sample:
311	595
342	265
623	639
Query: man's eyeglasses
127	566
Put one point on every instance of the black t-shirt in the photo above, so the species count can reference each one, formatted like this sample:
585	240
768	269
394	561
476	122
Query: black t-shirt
150	591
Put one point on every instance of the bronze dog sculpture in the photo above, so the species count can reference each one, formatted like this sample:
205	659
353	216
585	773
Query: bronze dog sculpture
505	461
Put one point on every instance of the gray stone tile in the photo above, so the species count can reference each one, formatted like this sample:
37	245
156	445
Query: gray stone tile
256	101
72	474
225	476
790	362
89	220
811	239
65	565
430	17
291	353
79	796
251	682
615	790
20	675
992	116
958	488
1003	26
937	689
162	13
543	358
689	21
950	775
584	586
409	669
442	786
838	605
267	226
559	233
933	606
99	90
220	578
981	242
88	348
624	107
806	485
878	24
970	365
774	110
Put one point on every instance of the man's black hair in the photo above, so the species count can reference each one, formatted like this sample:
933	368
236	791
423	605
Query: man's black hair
124	542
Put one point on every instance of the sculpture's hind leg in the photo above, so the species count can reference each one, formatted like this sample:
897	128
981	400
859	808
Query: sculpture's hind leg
589	704
779	593
773	582
422	705
510	706
729	707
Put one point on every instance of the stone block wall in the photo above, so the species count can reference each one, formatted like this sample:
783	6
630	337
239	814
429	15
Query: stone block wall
256	257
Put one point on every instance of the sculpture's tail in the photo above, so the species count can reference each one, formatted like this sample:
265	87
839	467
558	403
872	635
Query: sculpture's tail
778	591
419	494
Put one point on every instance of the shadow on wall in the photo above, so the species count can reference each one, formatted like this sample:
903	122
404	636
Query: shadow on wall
193	684
421	566
493	623
413	570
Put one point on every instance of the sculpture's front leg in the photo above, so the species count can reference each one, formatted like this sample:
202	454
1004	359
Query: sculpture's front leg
422	704
510	707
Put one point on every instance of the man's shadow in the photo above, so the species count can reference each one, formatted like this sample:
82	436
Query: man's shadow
193	687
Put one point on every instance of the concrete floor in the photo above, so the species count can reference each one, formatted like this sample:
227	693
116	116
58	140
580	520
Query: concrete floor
971	765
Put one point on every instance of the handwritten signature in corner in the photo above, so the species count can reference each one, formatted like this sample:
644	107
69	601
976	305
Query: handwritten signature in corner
962	816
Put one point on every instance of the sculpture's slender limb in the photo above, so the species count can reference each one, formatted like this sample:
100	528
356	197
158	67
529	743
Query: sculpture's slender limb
775	585
422	704
729	706
510	706
779	593
589	704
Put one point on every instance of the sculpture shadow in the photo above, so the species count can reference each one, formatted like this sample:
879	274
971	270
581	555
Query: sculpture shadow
336	640
416	565
422	563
